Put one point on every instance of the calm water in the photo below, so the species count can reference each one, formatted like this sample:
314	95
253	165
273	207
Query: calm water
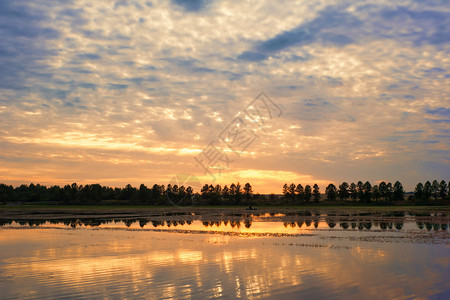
247	256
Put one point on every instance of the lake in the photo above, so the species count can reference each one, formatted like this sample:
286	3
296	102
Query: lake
237	254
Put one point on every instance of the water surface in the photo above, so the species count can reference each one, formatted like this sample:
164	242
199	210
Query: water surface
231	256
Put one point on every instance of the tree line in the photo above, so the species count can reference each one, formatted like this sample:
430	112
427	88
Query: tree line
234	194
81	194
366	193
156	195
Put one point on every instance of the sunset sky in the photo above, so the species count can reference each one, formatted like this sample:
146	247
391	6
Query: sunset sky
118	92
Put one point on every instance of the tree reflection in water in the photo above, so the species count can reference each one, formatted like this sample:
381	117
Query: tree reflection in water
304	220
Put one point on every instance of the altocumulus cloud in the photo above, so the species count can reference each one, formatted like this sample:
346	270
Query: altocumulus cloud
128	91
24	31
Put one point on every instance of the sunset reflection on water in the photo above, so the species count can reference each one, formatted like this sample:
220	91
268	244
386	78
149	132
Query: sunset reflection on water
200	259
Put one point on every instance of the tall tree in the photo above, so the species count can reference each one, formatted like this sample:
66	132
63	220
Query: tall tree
389	191
218	189
427	189
367	187
143	194
300	191
443	189
285	190
205	192
189	195
291	191
238	194
376	193
181	194
343	191
308	193
448	190
316	193
248	192
157	192
367	192
398	193
435	189
331	192
74	192
353	192
226	193
418	191
383	190
175	189
360	189
215	194
128	193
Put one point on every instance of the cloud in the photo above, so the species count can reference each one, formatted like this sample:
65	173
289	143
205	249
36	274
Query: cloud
252	56
115	86
429	26
437	121
324	28
336	26
191	5
92	56
441	111
24	34
362	86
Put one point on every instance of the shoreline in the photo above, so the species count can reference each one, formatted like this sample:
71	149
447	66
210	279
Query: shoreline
173	212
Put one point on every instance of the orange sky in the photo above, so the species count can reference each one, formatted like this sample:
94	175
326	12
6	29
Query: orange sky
101	92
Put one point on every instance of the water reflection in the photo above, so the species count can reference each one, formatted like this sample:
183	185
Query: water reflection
53	263
316	222
305	254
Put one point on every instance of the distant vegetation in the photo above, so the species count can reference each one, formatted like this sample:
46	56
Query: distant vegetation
384	193
437	193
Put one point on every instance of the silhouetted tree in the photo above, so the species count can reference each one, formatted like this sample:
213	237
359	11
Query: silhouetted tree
236	193
443	189
308	193
360	189
418	191
383	190
435	189
343	191
6	192
248	192
300	192
316	193
427	189
331	192
157	192
129	193
398	192
376	193
353	191
189	194
389	191
226	194
144	194
448	189
205	192
367	188
215	194
291	191
285	190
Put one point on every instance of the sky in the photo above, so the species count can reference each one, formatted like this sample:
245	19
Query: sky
118	92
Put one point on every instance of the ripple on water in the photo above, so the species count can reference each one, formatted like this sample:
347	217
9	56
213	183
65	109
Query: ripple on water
53	262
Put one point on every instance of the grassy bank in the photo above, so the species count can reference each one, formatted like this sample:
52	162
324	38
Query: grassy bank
170	208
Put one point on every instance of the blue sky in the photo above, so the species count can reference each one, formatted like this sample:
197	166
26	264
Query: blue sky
119	92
